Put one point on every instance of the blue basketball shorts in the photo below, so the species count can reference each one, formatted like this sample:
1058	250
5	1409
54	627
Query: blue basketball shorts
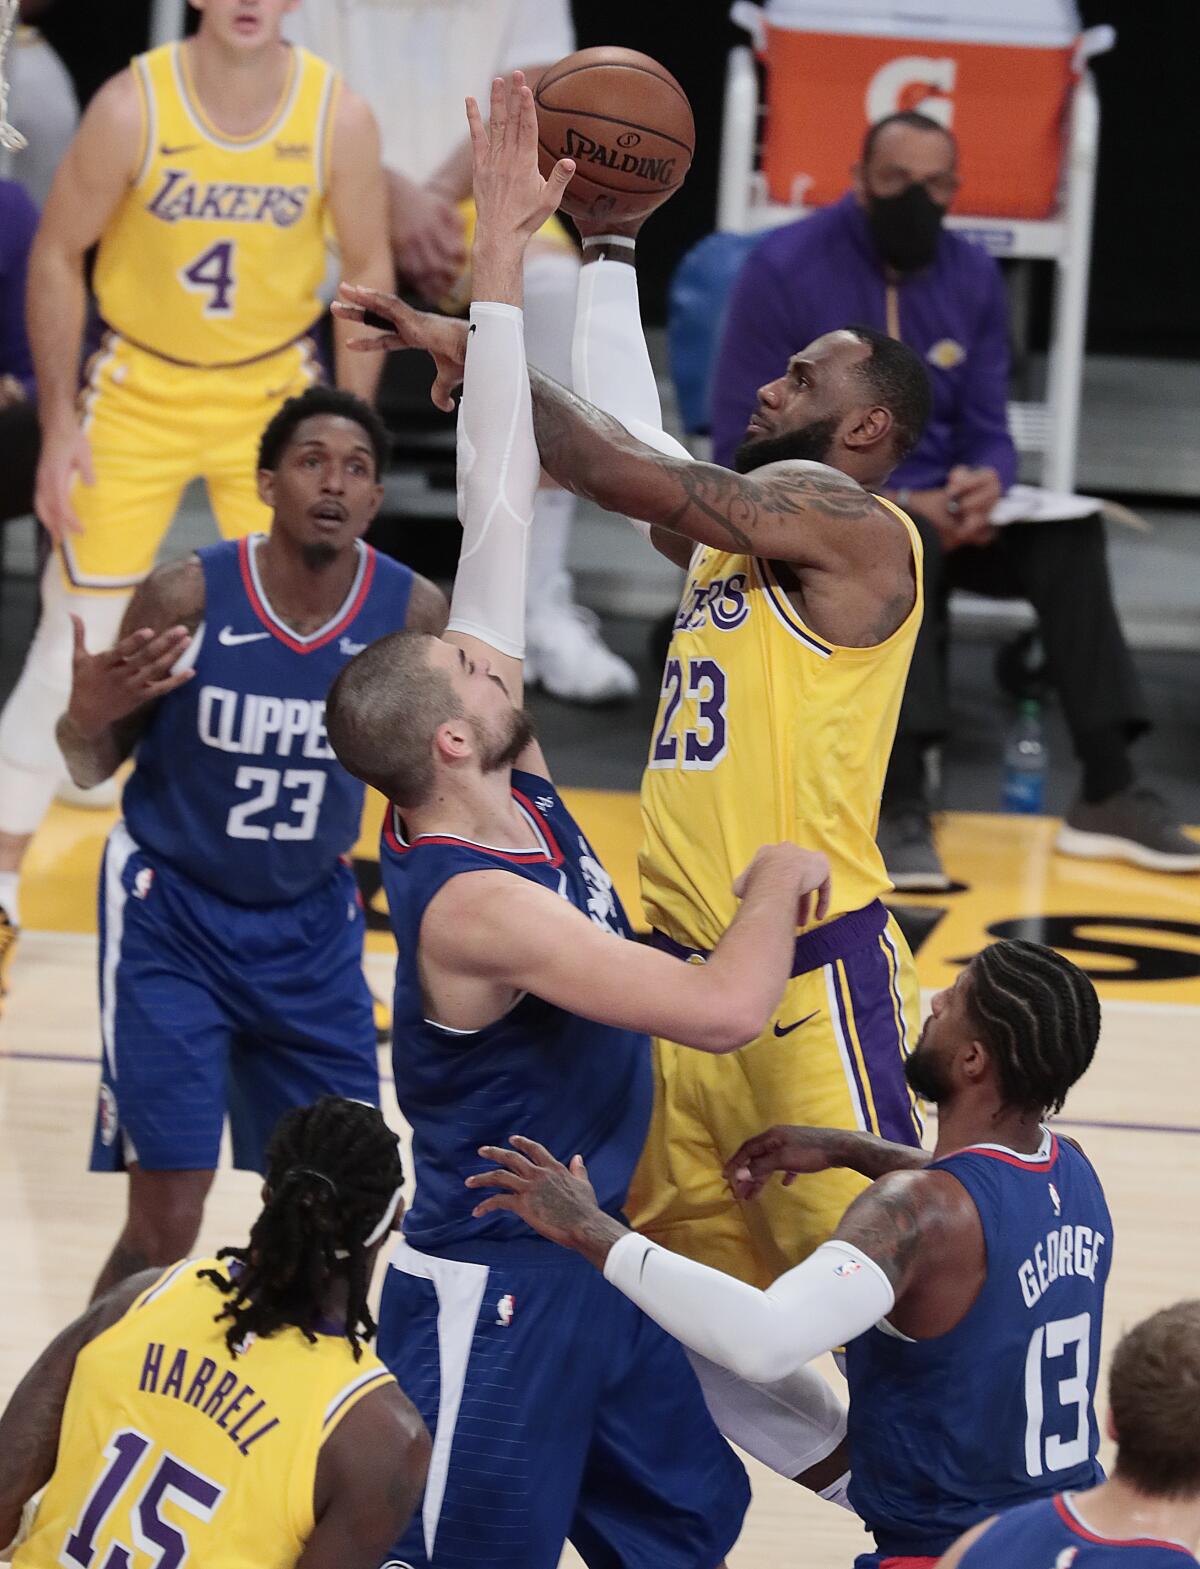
558	1411
210	1008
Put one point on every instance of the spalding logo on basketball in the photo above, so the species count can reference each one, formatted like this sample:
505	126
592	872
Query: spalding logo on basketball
625	121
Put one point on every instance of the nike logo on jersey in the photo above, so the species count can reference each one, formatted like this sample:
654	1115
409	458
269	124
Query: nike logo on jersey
231	639
350	648
786	1029
174	152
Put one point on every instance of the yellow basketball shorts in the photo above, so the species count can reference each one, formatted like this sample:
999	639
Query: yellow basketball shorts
833	1056
153	427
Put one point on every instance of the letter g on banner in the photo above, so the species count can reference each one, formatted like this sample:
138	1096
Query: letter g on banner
913	82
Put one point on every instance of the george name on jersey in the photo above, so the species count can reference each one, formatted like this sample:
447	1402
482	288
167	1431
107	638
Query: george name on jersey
1067	1250
187	1377
224	201
256	724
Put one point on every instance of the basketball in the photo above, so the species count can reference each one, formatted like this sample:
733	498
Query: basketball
625	121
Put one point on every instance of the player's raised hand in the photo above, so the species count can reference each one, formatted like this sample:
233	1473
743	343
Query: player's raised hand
65	453
108	687
402	327
512	200
554	1199
794	1151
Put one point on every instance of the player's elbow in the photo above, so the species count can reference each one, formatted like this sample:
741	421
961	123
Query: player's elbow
766	1351
728	1021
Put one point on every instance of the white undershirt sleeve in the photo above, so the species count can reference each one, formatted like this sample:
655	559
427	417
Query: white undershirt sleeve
762	1336
498	473
610	363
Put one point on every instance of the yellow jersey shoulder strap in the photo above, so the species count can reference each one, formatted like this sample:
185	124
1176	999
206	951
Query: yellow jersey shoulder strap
374	1376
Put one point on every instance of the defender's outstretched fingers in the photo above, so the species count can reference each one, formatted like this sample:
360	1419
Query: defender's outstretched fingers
499	1201
510	1181
537	1154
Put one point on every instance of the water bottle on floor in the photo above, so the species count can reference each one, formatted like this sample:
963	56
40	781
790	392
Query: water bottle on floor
1025	761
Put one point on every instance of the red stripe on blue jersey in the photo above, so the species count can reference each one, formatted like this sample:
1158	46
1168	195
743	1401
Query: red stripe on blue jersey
1073	1523
297	645
1026	1164
554	857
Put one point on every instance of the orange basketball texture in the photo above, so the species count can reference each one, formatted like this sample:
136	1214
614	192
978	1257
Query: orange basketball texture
626	122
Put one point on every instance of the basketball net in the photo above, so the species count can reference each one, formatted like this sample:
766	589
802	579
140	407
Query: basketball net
10	138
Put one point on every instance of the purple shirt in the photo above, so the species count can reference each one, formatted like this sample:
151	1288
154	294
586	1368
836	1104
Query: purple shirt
823	272
18	224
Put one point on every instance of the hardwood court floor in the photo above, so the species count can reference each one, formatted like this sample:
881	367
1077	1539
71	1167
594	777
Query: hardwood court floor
1137	1113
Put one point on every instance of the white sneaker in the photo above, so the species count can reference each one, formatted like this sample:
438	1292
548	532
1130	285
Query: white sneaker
100	798
565	653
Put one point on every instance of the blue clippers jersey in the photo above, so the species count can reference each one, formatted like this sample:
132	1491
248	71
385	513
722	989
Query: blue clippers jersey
236	784
578	1087
1049	1534
945	1432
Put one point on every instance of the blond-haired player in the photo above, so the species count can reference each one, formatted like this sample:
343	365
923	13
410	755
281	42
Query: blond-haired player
207	171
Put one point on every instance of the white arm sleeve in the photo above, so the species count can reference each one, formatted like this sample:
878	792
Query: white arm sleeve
498	472
610	363
762	1336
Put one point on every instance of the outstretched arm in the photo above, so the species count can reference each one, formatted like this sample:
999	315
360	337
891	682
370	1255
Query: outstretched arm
801	1151
890	1236
493	930
783	511
804	513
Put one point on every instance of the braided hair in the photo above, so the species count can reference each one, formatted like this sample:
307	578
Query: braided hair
332	1170
1039	1016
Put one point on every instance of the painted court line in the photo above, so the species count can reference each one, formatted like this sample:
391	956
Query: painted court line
1102	1123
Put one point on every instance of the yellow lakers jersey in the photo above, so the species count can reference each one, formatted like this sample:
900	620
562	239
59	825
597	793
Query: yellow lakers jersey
764	732
216	253
174	1449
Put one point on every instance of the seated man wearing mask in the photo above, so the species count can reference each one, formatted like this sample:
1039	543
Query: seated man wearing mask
881	256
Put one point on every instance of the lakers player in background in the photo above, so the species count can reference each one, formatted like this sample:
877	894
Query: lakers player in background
207	172
226	1411
780	697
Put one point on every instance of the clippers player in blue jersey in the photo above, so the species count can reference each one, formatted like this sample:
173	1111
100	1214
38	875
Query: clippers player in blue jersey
557	1409
230	924
1147	1514
967	1288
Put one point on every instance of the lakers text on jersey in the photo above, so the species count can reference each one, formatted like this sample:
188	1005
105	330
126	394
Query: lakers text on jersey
216	254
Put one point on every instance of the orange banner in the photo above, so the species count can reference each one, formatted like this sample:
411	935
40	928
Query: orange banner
1006	106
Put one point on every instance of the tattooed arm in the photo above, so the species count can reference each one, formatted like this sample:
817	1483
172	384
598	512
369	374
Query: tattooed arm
908	1229
783	511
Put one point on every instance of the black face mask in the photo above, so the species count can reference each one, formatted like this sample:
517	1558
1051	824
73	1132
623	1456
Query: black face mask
906	227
